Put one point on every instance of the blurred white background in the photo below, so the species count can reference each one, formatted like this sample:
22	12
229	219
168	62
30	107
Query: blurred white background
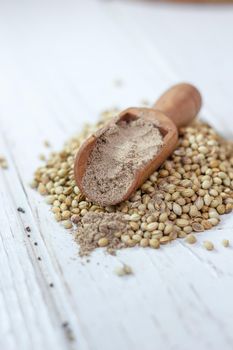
80	47
61	64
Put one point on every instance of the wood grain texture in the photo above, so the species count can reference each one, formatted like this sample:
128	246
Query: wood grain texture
58	66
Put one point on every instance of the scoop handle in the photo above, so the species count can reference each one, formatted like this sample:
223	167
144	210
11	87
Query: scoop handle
181	103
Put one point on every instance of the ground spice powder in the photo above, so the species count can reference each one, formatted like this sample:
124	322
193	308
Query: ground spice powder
119	152
101	230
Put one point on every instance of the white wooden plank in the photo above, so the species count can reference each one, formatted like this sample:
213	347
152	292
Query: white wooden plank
54	76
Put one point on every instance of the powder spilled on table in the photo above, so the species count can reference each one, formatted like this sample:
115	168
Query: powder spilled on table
119	152
101	230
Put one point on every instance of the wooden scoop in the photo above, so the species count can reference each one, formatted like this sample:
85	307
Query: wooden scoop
177	107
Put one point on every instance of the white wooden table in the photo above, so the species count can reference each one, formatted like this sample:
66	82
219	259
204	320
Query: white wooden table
59	63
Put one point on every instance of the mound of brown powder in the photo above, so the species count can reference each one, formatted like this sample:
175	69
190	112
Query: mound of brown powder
101	230
119	152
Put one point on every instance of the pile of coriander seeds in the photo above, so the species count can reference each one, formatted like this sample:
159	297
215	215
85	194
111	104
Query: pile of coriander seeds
187	194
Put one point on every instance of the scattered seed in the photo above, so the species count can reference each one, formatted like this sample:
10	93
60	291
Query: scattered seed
188	229
50	199
152	226
173	235
193	211
103	242
207	224
3	162
213	221
123	270
199	203
177	209
197	227
67	224
168	229
34	184
57	217
135	217
191	239
42	189
221	209
154	243
208	245
182	222
144	242
206	184
164	240
182	234
225	243
188	192
213	214
163	217
42	157
229	208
